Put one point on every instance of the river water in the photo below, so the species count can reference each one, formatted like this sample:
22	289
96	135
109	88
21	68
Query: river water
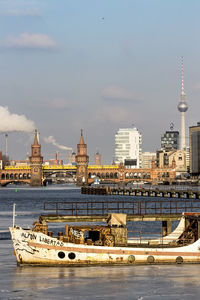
95	282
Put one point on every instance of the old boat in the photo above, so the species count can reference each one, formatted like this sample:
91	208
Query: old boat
107	244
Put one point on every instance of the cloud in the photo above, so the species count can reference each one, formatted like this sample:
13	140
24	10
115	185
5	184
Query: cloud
116	115
30	41
196	86
51	140
115	92
59	103
23	13
13	122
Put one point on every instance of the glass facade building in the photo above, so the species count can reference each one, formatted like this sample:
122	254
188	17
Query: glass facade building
195	149
169	140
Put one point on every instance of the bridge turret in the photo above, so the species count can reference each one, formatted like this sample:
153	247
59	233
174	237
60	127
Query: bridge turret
82	160
36	161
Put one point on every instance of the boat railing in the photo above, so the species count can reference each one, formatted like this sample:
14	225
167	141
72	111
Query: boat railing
142	237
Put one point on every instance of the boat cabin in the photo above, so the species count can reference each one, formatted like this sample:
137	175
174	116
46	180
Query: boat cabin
114	233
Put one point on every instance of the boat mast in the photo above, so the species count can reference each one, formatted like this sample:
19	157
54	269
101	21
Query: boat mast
14	215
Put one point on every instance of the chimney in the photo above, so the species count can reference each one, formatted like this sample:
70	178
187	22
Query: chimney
6	136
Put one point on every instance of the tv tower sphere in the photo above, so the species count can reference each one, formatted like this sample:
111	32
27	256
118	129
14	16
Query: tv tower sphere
182	106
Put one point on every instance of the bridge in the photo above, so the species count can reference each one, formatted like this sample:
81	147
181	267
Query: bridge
37	173
22	174
119	173
105	174
15	175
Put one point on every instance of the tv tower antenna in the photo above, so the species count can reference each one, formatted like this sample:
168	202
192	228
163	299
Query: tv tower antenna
182	107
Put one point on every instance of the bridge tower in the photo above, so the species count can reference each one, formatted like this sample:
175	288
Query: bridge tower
82	160
36	162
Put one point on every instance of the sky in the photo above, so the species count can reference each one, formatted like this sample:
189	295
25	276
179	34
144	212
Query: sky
98	66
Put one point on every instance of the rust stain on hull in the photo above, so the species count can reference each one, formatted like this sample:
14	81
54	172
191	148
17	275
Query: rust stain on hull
113	251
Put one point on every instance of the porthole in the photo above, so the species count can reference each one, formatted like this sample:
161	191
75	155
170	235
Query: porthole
131	258
179	260
150	259
72	255
61	254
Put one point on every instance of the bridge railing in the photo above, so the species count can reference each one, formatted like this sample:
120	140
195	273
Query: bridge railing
99	208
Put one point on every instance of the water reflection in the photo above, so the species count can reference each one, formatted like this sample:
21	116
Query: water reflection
95	282
105	276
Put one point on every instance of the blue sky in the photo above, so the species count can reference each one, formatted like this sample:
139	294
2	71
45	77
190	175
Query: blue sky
97	65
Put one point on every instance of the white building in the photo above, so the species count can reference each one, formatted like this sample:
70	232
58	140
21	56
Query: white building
147	158
128	150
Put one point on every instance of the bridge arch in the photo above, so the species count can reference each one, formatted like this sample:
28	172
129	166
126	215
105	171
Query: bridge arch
15	181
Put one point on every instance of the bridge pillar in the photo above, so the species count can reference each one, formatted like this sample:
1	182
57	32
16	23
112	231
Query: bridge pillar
36	163
82	160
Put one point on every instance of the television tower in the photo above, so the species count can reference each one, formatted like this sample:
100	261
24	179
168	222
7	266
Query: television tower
182	107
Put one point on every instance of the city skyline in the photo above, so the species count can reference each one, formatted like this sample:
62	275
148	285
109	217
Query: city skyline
102	67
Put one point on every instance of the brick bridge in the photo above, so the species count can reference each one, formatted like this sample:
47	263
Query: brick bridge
105	173
116	174
14	175
35	173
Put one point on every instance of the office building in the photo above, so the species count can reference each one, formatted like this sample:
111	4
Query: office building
170	140
128	150
147	158
194	135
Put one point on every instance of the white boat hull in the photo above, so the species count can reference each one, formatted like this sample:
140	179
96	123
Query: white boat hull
37	248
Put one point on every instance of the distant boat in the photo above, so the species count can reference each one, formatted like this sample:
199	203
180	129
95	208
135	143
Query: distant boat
96	181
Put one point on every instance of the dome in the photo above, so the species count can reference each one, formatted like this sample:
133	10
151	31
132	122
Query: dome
182	107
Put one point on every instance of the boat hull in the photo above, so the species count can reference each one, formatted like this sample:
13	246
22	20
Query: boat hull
36	248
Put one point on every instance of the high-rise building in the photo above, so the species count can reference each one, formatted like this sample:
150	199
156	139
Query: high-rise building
182	107
128	150
169	140
194	133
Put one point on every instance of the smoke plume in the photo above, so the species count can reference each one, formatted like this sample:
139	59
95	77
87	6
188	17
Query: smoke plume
13	122
50	140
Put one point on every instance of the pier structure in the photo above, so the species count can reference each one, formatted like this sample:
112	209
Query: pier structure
167	192
98	211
